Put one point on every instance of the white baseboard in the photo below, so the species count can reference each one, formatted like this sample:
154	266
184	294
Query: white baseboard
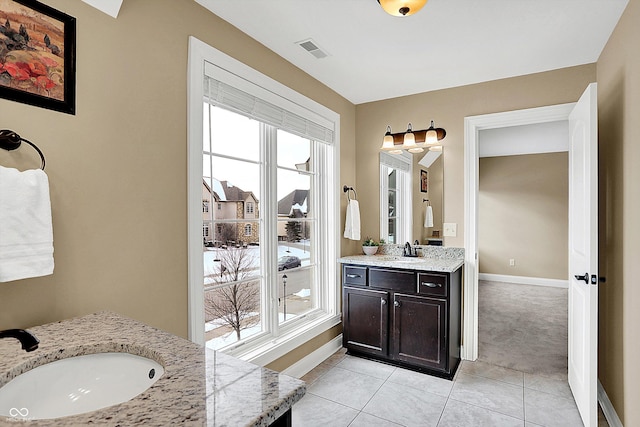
607	408
310	361
520	280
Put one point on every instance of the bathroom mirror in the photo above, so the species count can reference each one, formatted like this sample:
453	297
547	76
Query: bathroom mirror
409	184
428	185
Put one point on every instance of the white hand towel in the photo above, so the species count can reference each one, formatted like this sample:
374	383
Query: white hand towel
428	217
352	221
26	232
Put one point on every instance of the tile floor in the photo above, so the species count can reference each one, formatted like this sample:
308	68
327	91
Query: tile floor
350	391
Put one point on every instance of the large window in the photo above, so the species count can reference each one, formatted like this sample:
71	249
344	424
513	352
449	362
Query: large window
395	198
268	156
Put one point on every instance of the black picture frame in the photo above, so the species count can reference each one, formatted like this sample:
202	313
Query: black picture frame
48	80
424	184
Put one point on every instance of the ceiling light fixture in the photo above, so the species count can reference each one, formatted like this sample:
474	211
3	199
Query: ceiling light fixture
414	141
402	7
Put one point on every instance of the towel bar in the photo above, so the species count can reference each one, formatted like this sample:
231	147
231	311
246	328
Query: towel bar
347	189
9	140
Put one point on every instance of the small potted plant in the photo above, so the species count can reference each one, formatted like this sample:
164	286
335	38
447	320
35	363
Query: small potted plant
369	246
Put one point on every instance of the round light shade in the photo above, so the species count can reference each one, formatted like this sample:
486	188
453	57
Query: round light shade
402	7
409	138
387	141
431	137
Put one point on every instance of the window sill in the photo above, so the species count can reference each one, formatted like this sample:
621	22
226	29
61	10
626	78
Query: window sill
275	348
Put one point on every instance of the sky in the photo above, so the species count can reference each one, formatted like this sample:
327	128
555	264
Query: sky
237	136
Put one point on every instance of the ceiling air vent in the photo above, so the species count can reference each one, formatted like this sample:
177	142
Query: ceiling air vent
313	48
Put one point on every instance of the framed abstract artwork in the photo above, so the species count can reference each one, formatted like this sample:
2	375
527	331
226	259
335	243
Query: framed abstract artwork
37	55
423	181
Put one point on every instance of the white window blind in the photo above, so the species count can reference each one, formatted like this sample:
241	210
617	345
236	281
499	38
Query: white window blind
401	162
256	107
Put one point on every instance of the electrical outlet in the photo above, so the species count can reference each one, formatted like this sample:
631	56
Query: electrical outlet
512	262
449	229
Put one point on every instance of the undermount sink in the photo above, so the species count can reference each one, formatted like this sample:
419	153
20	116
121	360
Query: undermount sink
77	385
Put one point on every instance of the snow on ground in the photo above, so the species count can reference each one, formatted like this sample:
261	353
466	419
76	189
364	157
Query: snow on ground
212	267
230	337
304	293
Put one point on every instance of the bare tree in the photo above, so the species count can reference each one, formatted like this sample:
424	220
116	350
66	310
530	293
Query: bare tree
237	303
227	232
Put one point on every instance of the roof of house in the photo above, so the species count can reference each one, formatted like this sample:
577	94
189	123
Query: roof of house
295	203
227	192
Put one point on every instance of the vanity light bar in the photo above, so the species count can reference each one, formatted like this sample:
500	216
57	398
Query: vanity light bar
414	141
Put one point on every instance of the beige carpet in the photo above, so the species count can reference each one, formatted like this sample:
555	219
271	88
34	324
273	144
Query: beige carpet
523	327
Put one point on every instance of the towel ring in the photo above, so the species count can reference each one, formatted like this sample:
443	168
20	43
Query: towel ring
347	189
9	140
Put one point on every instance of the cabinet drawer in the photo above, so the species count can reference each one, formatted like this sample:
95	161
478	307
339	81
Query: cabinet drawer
393	280
433	284
354	275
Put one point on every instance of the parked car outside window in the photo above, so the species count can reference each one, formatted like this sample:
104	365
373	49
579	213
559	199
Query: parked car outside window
287	262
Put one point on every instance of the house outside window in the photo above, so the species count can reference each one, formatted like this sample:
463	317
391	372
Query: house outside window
205	206
247	230
250	207
205	230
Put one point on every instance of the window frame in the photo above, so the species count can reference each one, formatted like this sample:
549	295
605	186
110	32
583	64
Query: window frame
270	347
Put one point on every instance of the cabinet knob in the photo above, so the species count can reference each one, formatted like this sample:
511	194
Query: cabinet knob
383	301
396	303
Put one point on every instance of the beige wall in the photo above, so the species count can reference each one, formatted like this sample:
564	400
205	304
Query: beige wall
448	108
523	213
123	155
618	71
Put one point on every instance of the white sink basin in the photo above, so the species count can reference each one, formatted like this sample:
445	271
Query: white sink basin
77	385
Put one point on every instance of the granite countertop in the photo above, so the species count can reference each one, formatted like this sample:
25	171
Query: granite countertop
432	258
199	386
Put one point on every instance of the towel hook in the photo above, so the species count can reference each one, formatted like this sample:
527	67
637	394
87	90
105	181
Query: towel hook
426	200
9	140
347	189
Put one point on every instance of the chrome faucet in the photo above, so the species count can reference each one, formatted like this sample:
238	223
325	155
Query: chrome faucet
407	250
27	339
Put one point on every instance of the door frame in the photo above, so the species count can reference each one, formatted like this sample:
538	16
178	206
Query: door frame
472	126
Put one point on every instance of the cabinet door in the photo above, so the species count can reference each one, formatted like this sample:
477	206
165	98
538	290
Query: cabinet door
419	331
365	320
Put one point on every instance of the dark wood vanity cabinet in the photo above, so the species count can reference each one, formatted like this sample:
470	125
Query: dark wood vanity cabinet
366	322
406	317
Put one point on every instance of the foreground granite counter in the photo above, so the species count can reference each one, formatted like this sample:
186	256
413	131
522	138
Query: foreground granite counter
431	258
199	387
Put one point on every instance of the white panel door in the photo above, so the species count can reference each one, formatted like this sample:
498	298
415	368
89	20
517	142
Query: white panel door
583	255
